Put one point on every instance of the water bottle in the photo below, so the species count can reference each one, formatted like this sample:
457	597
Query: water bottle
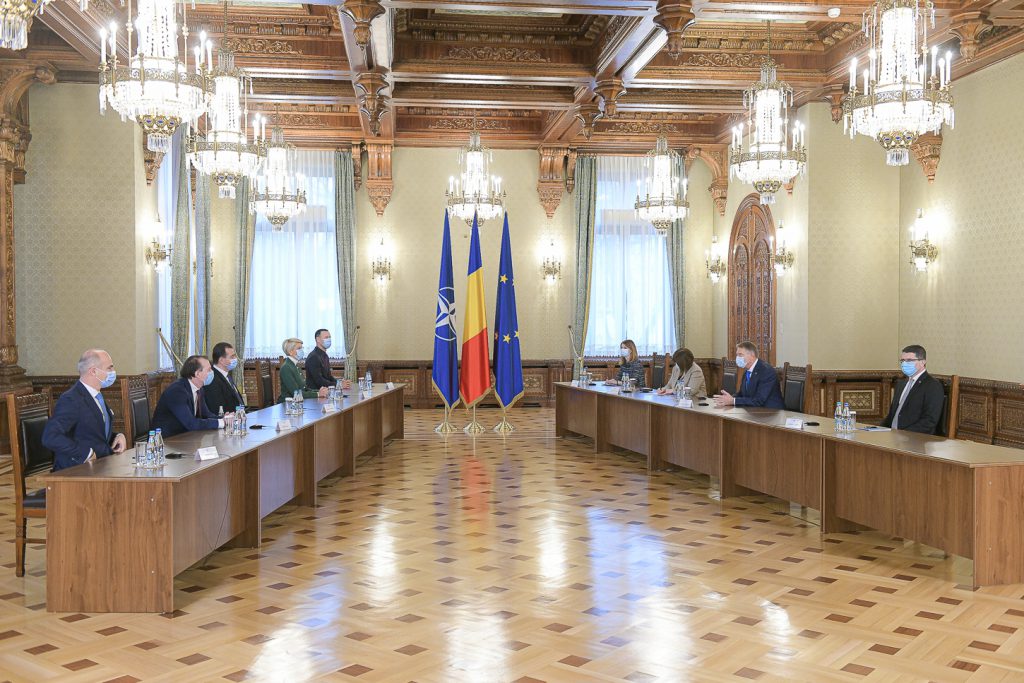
846	418
160	457
838	417
220	413
339	387
150	449
297	401
369	381
240	425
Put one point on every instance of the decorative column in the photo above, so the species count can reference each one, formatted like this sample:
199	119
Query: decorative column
674	17
16	76
379	182
551	180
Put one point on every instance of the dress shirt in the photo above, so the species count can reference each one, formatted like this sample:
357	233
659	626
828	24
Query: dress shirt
903	396
195	403
94	393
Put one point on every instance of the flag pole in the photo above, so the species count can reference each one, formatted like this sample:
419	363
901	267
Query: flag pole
474	427
446	426
504	427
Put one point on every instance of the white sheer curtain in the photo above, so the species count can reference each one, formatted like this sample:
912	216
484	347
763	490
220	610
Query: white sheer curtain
294	288
630	290
167	199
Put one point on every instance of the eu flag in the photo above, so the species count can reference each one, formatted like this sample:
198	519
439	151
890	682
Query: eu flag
446	350
508	361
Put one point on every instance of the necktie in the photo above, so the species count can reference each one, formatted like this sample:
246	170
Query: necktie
106	415
199	397
746	379
899	407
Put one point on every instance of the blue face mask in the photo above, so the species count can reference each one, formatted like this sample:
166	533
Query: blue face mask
233	364
741	362
327	343
300	354
908	367
209	379
109	379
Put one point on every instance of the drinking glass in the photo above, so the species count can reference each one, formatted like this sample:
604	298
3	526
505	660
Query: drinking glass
139	453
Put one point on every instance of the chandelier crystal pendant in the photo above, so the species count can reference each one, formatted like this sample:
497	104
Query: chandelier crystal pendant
155	87
772	156
661	197
903	93
475	191
16	20
225	152
279	193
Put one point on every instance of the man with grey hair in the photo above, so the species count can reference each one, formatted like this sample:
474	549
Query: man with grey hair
81	428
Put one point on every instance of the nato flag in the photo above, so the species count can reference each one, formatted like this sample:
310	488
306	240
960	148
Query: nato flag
508	360
446	347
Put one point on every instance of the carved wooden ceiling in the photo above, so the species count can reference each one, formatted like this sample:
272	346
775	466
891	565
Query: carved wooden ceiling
580	75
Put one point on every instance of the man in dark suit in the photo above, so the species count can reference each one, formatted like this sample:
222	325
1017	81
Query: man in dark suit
81	428
182	408
222	396
760	387
318	365
917	402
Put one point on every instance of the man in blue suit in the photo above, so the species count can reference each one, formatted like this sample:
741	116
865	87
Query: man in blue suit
81	428
760	387
182	407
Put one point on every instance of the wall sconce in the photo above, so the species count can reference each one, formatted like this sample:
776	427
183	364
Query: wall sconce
156	252
551	268
922	251
783	257
714	262
380	267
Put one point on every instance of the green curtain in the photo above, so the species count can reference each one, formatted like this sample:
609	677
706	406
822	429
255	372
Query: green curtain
181	260
676	269
586	198
345	235
245	223
202	295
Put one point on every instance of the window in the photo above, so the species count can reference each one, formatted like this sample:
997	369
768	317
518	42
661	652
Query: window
167	200
630	287
294	280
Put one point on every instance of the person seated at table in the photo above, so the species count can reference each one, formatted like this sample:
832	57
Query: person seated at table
182	407
918	400
318	365
630	365
291	378
760	387
222	396
686	371
81	427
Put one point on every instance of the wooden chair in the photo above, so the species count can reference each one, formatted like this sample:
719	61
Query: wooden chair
951	399
658	366
28	414
265	383
135	403
797	389
730	376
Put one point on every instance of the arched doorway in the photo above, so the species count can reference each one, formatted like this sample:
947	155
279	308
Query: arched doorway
752	277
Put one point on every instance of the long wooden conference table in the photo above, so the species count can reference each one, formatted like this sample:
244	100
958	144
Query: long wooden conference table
118	535
962	497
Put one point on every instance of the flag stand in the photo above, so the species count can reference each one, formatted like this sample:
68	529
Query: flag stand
504	427
474	427
446	426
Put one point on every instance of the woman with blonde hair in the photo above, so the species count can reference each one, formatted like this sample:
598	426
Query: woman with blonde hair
291	377
630	365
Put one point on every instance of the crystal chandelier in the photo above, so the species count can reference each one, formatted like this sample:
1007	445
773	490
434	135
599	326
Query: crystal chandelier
279	193
772	158
903	94
661	197
154	87
16	20
475	191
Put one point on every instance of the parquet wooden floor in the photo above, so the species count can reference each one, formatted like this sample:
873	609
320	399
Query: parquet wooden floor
529	558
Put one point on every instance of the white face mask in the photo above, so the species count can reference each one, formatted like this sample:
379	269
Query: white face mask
741	361
624	352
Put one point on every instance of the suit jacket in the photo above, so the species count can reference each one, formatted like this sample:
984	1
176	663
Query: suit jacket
221	394
291	381
318	370
175	413
922	410
762	389
693	378
76	427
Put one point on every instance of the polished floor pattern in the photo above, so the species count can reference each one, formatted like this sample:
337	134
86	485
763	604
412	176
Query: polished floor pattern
529	558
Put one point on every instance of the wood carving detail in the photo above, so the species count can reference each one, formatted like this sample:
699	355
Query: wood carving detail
724	60
969	27
260	46
640	127
362	13
468	124
552	178
674	17
379	182
487	53
372	100
752	278
927	151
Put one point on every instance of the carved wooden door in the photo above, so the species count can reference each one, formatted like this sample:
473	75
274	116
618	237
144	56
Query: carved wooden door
752	278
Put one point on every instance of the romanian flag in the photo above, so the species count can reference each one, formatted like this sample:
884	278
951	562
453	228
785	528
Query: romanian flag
475	373
445	372
508	362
